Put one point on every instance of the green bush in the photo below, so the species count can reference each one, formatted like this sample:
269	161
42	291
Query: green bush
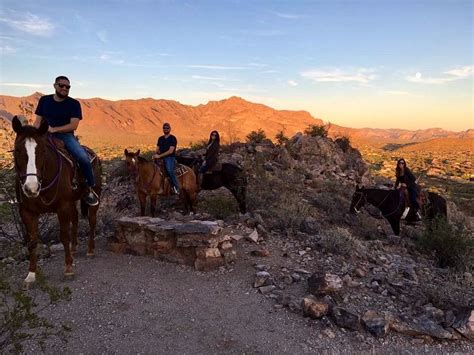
344	143
339	240
281	138
316	131
453	246
201	144
256	136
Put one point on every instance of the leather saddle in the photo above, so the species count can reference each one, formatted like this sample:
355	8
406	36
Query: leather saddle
422	196
59	145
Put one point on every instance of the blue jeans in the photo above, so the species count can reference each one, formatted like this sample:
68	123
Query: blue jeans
75	149
169	165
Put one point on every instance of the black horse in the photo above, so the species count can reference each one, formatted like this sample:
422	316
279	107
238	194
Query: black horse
392	204
230	176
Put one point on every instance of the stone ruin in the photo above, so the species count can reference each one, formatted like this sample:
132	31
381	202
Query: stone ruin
196	243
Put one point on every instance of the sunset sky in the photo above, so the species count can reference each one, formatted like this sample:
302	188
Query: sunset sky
381	64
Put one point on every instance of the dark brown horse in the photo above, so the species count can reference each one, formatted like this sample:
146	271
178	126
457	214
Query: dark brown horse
149	182
44	184
392	204
229	176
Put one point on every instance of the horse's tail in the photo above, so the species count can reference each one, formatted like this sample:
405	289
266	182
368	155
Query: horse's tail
84	209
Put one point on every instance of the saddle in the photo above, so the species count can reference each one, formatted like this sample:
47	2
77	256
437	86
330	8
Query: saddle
179	170
59	145
422	196
78	177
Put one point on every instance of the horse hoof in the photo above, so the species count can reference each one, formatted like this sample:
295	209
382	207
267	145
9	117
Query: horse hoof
27	285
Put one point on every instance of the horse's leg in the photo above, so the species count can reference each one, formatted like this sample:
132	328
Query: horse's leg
64	216
31	224
74	228
142	199
239	194
92	216
395	224
153	198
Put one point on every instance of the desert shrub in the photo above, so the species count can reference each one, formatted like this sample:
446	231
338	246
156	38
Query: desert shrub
452	245
20	313
316	131
255	137
344	143
456	290
281	138
201	144
219	206
289	212
339	240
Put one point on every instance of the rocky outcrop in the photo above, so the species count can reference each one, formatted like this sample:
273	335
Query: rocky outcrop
195	243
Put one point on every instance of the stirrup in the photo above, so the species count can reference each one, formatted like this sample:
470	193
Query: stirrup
405	213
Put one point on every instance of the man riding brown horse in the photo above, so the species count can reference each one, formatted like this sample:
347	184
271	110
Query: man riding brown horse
63	114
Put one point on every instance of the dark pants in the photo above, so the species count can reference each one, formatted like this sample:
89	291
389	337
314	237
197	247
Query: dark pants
169	165
204	168
413	193
75	149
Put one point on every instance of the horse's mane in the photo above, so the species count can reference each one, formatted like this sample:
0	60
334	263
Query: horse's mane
29	131
143	159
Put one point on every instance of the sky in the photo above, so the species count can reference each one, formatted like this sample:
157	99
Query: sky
379	64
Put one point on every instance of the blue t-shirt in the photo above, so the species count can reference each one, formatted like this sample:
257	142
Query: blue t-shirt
58	113
165	143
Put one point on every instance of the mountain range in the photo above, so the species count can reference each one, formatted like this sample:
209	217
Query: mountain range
131	122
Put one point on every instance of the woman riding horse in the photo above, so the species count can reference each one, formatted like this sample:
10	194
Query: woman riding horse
405	178
212	155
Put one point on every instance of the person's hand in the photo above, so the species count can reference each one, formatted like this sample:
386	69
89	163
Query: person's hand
51	129
156	156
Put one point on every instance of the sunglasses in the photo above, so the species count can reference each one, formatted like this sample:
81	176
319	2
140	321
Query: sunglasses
213	135
166	127
62	86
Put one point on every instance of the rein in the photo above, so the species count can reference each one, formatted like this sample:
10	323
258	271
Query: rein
54	181
379	204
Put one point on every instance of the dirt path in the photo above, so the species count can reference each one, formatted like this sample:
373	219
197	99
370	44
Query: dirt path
129	304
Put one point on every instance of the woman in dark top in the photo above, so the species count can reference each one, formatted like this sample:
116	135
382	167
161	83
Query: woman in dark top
405	178
211	156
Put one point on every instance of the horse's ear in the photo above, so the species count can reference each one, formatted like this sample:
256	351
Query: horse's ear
138	152
43	128
125	152
17	125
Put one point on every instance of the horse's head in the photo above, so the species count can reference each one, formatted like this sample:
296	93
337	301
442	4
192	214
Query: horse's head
358	200
29	155
131	159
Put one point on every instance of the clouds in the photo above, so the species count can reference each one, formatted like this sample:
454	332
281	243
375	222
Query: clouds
361	76
29	23
454	74
292	83
25	85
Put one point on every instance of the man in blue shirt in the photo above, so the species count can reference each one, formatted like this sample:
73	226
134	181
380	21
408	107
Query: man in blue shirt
63	114
166	150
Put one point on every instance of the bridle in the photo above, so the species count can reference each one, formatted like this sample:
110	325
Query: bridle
40	175
362	196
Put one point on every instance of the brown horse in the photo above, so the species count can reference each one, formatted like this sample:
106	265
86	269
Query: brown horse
44	184
149	182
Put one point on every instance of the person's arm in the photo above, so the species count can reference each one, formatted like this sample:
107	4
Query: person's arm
396	183
165	154
71	126
37	122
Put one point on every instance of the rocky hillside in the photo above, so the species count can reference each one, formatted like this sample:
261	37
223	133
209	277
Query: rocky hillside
302	252
132	122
